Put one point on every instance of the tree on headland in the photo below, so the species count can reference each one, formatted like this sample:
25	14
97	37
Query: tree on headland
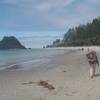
83	35
56	42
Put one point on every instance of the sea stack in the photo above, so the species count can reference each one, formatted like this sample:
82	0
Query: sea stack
10	43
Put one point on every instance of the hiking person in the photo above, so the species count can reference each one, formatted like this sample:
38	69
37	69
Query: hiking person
93	61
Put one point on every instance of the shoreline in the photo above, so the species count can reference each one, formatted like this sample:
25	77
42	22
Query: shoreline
76	48
33	62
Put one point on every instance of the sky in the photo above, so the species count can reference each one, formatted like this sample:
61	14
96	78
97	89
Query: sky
39	22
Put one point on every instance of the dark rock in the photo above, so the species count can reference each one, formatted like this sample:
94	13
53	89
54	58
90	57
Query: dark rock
10	43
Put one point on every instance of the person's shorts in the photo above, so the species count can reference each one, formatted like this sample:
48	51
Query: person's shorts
92	64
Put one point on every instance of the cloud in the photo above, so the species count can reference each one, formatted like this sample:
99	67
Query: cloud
87	11
94	1
43	7
9	1
38	5
48	5
47	14
37	41
82	13
65	23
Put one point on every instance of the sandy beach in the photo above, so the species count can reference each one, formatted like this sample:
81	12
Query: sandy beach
67	73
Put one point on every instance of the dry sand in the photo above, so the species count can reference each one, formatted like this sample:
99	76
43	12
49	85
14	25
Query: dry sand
68	73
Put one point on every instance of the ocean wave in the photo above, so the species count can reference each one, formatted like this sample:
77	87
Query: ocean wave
26	64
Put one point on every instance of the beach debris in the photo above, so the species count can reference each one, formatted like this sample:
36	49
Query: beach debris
43	83
64	71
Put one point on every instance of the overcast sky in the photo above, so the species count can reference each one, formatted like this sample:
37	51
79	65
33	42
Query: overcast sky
44	17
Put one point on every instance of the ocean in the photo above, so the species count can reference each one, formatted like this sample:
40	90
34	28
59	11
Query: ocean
24	59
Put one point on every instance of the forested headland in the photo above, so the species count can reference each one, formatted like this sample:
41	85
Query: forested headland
82	35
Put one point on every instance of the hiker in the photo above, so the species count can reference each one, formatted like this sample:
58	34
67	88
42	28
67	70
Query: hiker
93	61
88	49
82	49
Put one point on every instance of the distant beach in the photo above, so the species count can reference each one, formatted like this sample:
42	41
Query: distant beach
67	72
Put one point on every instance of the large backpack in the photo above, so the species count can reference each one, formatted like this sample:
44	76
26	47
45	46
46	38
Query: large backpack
92	56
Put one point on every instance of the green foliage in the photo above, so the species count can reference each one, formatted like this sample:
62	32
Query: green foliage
83	35
56	42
